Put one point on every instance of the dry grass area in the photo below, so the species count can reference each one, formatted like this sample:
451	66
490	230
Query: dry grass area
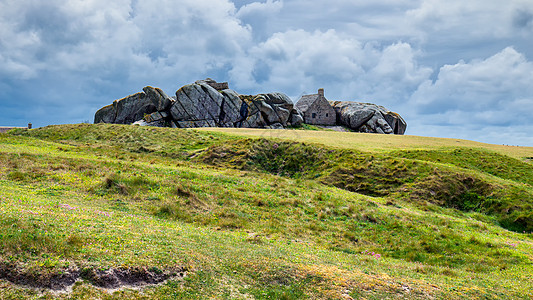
373	142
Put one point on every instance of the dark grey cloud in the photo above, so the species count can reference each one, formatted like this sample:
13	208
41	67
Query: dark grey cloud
523	18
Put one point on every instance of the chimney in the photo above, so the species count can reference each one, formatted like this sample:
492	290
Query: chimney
321	92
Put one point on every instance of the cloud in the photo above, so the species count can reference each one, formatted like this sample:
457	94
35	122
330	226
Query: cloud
479	18
523	19
452	30
496	92
54	36
480	85
299	61
100	48
87	35
259	15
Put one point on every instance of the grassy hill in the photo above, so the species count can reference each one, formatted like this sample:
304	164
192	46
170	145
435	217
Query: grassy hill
128	212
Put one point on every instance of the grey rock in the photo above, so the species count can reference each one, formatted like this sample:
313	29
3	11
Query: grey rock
396	122
296	118
353	114
274	107
219	86
195	124
255	121
106	114
132	108
282	106
232	111
161	100
157	116
367	117
283	114
197	102
275	126
268	112
382	123
202	104
279	99
207	80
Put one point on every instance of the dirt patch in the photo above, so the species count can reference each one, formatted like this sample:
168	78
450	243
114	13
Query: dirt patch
58	280
116	278
111	278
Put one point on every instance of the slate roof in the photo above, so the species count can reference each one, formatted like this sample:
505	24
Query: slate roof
306	101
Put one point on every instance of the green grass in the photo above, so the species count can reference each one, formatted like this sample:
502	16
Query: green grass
264	218
463	183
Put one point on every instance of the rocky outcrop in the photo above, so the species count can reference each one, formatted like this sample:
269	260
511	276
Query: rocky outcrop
127	110
367	117
207	103
158	98
106	114
204	103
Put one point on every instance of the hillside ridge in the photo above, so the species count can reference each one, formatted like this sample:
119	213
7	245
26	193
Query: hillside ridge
264	217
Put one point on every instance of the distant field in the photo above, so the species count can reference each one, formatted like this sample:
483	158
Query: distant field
373	142
127	212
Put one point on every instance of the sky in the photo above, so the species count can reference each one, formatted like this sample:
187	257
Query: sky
450	68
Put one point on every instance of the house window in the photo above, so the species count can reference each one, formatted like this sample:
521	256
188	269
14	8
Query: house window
326	115
313	115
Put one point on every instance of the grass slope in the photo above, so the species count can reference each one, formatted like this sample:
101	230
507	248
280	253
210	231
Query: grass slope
301	215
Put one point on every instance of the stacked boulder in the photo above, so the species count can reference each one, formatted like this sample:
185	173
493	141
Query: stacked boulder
204	103
207	103
368	117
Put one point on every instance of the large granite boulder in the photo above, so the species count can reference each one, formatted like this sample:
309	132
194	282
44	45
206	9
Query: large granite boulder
197	102
202	104
367	117
156	119
233	111
296	119
265	110
106	114
126	110
134	107
160	100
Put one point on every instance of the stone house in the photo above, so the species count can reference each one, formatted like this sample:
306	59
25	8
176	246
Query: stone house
316	109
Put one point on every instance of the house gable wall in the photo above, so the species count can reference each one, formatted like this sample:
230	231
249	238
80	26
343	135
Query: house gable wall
320	112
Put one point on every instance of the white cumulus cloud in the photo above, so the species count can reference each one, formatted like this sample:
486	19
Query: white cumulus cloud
471	97
299	61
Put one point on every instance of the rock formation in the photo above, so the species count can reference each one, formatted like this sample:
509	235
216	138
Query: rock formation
207	103
367	117
202	104
134	107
